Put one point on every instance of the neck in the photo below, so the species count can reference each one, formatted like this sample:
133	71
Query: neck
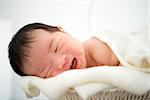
88	54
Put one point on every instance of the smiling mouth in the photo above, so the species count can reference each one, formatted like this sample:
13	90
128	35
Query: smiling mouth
73	64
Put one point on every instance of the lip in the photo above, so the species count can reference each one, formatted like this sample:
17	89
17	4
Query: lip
68	63
74	63
78	63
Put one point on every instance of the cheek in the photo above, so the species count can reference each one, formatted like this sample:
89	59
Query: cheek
78	49
55	71
73	47
83	62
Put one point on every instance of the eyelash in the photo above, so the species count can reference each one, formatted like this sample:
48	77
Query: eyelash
56	49
57	45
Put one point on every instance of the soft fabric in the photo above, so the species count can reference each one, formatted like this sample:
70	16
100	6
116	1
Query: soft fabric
132	48
87	82
133	76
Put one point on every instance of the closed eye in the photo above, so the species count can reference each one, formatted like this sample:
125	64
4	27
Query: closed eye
57	45
56	49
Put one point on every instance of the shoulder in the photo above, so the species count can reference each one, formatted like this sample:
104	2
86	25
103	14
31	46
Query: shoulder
102	52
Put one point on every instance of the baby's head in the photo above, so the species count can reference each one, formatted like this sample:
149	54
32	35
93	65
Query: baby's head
41	50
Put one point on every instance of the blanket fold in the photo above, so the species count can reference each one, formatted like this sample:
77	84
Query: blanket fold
120	77
132	50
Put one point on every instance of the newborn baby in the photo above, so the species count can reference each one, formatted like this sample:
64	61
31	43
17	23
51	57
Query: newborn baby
45	51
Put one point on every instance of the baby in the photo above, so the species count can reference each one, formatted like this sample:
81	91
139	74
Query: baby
45	51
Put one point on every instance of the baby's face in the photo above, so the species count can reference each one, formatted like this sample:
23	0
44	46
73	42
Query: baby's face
53	53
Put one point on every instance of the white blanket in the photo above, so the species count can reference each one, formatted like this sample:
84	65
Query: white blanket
87	82
132	48
133	77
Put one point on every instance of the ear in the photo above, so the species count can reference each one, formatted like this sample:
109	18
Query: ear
60	28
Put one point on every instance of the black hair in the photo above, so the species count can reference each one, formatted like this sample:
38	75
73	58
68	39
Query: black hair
18	46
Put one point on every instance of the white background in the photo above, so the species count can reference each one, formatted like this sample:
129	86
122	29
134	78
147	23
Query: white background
80	18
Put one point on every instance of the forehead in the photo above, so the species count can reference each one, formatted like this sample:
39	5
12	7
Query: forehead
38	47
40	40
38	34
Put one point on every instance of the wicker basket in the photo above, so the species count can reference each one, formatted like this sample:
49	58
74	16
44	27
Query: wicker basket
112	94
